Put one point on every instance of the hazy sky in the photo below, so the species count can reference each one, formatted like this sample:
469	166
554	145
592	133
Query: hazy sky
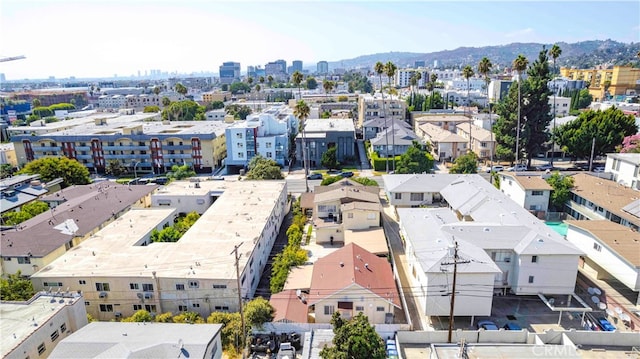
102	38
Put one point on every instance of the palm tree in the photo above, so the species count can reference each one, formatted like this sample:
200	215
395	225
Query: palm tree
269	80
258	94
297	78
555	52
519	64
166	101
484	67
181	89
301	111
328	87
379	69
467	72
431	85
390	70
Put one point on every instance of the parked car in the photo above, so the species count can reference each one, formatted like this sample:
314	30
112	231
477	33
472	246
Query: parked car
598	169
315	176
217	178
517	168
544	167
346	174
496	168
512	326
487	325
605	325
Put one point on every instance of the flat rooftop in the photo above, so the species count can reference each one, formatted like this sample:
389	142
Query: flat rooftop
21	319
238	216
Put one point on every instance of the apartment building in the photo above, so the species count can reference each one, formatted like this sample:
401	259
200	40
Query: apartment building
322	134
530	192
394	142
136	101
229	72
322	67
143	146
370	107
119	271
483	143
266	134
621	80
223	96
403	77
625	169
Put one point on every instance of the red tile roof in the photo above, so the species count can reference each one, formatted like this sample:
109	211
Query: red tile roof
350	265
288	307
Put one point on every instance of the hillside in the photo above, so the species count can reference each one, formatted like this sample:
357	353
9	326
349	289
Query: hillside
580	54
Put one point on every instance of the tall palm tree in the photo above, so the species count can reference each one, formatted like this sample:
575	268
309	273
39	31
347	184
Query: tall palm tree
258	88
484	67
379	69
431	85
269	80
297	78
519	64
467	72
301	111
328	87
390	70
555	52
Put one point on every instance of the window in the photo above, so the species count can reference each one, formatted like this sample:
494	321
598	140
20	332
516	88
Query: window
238	135
147	287
398	196
182	308
530	279
417	196
240	155
87	303
106	307
41	348
534	259
329	309
219	286
269	154
359	308
102	287
536	193
179	286
597	247
196	305
151	308
54	335
268	145
52	284
63	327
349	215
327	208
134	286
137	307
24	260
82	281
194	284
221	307
379	309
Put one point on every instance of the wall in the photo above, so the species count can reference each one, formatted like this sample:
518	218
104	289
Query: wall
324	234
474	293
360	219
626	174
359	297
512	189
538	203
552	274
182	203
405	200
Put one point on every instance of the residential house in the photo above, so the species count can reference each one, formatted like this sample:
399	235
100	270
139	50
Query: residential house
611	251
625	168
33	328
120	270
371	128
445	145
414	190
19	190
445	121
393	142
142	340
371	106
530	192
76	214
322	134
598	198
352	280
483	141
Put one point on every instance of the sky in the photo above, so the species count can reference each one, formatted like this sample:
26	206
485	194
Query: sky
98	38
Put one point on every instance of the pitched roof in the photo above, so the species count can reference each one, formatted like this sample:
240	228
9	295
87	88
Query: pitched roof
365	206
288	307
299	278
345	193
346	182
353	265
618	238
89	206
529	182
606	194
477	132
438	134
416	182
372	240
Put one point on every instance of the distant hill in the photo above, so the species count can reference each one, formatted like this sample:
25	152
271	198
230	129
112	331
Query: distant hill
583	54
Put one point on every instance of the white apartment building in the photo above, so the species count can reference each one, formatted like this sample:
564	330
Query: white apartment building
448	74
136	101
625	168
371	107
562	105
530	192
403	77
120	272
475	84
33	328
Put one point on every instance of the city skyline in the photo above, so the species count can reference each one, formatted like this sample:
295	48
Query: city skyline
102	39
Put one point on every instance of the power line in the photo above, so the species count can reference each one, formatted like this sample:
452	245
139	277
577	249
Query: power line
453	291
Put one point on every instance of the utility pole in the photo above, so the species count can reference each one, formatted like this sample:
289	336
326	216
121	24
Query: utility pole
593	146
237	256
455	263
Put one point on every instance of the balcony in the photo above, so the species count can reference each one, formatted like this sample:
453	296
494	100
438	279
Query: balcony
46	148
120	157
177	147
125	148
177	155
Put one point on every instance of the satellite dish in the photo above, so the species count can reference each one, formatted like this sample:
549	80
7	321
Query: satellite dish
595	299
602	306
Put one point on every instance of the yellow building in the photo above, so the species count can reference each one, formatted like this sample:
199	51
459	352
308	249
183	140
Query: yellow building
623	80
216	96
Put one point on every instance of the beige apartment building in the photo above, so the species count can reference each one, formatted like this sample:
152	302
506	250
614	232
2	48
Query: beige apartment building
371	107
622	80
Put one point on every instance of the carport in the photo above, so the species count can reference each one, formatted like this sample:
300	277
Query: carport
558	303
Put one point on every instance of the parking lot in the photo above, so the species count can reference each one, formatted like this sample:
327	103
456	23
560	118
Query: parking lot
529	312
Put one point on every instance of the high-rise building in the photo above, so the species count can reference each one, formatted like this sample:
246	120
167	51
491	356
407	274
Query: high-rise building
251	71
418	64
322	67
229	72
277	69
296	65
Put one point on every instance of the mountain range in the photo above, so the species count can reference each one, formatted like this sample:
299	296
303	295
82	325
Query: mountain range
584	54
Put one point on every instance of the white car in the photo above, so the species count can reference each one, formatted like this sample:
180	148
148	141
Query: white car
517	168
496	168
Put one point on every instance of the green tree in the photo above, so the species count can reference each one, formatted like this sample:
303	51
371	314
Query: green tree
467	163
36	103
188	318
186	110
584	99
270	80
181	172
151	109
239	87
261	168
181	89
365	181
415	160
27	211
302	111
390	70
354	338
115	168
157	90
166	317
357	82
312	83
224	87
561	190
327	85
608	128
231	327
50	168
6	170
330	158
330	179
16	288
239	112
166	101
141	316
214	105
554	52
257	312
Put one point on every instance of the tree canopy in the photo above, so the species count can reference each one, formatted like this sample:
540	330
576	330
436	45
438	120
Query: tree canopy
561	190
115	168
312	83
357	82
151	109
330	158
239	87
71	171
415	160
214	105
186	110
354	338
467	163
261	168
608	127
239	112
16	288
258	311
27	211
181	172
